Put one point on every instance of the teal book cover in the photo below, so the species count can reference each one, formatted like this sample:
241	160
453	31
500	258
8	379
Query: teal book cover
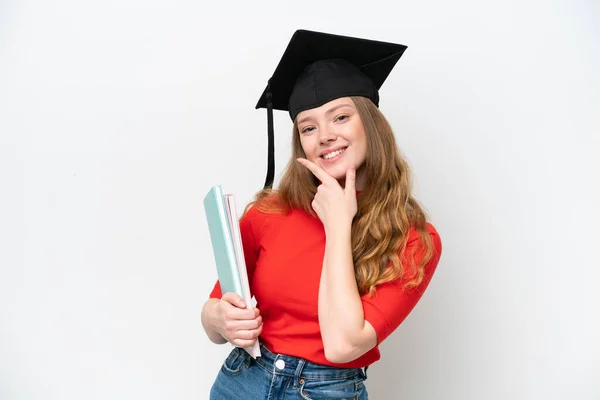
222	241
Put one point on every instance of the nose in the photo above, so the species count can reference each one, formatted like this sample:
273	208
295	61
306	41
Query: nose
327	137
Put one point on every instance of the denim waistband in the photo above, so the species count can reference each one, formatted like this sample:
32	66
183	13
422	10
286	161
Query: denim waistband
283	364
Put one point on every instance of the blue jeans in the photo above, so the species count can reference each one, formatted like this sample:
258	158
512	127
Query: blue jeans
279	376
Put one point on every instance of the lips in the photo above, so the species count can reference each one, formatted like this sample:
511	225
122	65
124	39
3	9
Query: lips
333	150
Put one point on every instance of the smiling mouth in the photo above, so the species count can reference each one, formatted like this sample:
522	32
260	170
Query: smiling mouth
333	153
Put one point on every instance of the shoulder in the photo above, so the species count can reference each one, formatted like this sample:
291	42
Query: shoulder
264	205
415	238
414	234
264	212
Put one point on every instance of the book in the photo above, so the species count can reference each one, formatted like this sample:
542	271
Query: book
228	251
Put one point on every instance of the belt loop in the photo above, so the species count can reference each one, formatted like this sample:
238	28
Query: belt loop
298	372
365	371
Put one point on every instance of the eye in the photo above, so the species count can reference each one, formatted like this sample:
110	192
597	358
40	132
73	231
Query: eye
342	118
308	129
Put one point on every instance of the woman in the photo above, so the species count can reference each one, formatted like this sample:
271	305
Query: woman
340	254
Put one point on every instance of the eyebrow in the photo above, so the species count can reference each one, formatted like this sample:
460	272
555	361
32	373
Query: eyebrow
331	110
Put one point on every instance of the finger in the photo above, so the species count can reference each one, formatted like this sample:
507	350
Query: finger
246	324
245	338
239	314
243	325
316	170
247	334
234	299
350	180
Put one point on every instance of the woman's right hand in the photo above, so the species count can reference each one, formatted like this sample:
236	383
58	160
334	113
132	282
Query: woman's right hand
239	325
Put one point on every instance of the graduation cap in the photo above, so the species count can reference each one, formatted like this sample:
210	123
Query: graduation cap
319	67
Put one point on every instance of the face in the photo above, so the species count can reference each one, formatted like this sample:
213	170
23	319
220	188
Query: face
333	137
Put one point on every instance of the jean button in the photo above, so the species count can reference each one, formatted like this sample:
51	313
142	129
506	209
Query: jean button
280	364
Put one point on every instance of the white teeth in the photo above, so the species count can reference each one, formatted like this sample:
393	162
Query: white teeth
333	154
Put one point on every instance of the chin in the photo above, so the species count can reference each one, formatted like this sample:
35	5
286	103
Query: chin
337	171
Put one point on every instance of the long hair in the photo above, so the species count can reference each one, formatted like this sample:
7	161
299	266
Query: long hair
386	208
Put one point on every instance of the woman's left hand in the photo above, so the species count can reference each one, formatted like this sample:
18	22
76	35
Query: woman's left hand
332	203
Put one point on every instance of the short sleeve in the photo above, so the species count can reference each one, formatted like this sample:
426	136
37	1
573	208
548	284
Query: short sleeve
390	305
250	245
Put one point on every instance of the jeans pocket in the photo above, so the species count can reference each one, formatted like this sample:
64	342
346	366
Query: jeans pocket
339	389
235	362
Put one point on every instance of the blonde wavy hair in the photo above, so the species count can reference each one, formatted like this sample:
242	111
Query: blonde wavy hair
386	207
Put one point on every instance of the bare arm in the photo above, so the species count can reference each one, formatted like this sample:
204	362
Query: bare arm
345	332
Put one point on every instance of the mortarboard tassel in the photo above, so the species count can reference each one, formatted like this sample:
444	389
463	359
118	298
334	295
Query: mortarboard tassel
271	148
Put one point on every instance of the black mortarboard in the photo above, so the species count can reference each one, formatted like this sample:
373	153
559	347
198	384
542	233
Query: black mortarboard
319	67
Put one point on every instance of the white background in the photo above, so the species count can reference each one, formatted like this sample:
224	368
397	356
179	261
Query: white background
116	117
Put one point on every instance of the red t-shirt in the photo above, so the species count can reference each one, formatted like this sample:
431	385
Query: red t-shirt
284	257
